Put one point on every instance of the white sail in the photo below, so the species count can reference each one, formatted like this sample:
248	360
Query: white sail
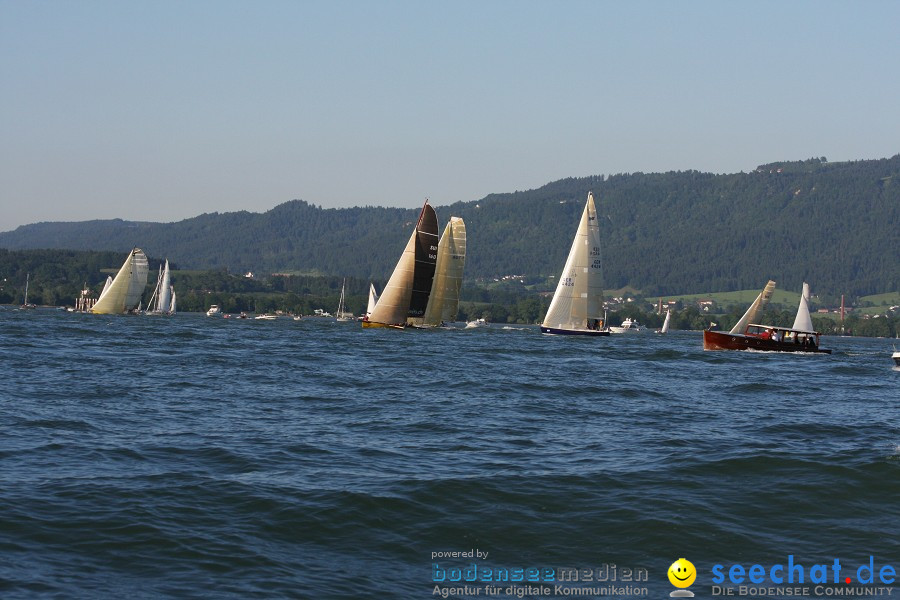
665	327
578	300
124	293
752	312
373	300
161	300
106	285
165	291
803	322
172	305
443	302
155	293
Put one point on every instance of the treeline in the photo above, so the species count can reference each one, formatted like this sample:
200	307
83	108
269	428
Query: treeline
831	224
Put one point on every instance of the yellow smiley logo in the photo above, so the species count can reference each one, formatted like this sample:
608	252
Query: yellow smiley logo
682	573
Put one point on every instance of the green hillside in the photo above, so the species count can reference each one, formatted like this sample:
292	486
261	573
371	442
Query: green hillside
831	224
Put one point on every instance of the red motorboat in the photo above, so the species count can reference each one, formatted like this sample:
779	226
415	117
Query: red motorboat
801	337
765	338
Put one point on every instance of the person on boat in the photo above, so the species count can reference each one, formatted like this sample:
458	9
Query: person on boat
765	334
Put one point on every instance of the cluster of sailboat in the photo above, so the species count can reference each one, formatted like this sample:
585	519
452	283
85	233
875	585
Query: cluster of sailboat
577	305
122	294
423	292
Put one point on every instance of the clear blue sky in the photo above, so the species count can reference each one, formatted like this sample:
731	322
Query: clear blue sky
164	110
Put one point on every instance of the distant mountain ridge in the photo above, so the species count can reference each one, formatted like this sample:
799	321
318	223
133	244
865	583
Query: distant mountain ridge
832	224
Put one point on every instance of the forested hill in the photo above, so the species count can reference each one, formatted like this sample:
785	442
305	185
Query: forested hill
832	224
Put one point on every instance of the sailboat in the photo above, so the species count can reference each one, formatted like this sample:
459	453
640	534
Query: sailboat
124	293
443	301
665	326
577	305
342	315
25	304
373	300
164	294
747	335
406	294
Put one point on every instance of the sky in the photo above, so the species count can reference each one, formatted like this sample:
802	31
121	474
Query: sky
164	110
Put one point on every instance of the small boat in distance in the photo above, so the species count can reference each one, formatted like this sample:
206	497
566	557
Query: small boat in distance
746	335
476	323
577	305
629	325
213	310
341	314
896	356
85	301
25	304
665	325
164	294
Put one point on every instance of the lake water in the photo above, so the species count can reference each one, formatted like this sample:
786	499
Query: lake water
197	457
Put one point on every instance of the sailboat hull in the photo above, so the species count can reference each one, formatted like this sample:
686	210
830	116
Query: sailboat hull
374	325
717	340
587	332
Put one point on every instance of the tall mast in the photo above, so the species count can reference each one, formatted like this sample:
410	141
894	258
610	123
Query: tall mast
842	314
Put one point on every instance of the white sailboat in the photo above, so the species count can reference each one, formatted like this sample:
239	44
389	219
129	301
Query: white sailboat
25	304
577	305
164	294
341	314
406	294
665	325
443	302
124	293
106	285
803	320
373	300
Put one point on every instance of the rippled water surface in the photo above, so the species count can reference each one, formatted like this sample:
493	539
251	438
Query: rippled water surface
201	457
